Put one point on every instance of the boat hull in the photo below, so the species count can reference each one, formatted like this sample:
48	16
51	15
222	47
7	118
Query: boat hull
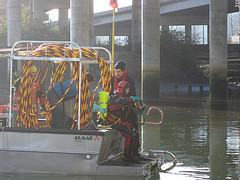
56	151
62	151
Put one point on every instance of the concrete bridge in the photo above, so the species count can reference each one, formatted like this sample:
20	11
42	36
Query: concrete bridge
83	27
172	12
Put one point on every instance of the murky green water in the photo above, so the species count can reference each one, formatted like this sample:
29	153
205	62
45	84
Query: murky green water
205	142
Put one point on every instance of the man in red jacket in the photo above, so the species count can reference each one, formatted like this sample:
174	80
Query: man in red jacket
121	74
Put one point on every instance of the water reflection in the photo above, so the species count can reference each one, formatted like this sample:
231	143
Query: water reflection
205	141
217	144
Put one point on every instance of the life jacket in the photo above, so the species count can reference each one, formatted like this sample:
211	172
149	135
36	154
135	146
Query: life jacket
116	80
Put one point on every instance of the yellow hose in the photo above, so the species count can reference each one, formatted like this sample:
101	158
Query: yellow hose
25	110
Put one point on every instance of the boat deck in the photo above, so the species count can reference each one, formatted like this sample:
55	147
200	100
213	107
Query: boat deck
118	166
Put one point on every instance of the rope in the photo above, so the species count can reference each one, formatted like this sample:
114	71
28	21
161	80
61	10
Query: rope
49	109
111	124
45	75
158	154
24	97
174	163
26	113
113	117
14	72
151	123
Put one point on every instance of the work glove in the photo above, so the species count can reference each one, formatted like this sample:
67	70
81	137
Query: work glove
135	98
98	108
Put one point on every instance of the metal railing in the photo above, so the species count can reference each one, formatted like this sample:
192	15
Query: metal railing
28	45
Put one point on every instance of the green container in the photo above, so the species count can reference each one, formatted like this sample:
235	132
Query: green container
103	102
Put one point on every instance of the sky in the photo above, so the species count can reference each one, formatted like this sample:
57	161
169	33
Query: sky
103	5
99	5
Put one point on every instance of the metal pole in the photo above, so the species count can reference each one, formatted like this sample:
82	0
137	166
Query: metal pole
79	94
141	71
113	34
10	96
141	49
13	111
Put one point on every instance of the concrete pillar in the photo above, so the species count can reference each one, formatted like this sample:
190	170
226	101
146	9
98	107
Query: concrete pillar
63	18
218	51
79	24
14	21
91	23
38	12
151	50
208	34
188	33
134	60
136	27
63	22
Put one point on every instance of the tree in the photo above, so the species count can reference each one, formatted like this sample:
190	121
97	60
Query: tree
178	58
31	30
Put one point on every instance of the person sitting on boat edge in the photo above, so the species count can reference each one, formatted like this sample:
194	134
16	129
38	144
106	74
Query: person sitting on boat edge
118	108
121	74
60	119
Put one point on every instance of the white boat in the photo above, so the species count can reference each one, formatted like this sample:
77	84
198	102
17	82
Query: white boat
68	151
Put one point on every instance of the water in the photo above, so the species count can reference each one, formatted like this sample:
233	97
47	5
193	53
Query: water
205	142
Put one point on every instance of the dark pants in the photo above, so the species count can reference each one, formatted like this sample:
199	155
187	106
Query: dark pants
131	137
133	119
59	116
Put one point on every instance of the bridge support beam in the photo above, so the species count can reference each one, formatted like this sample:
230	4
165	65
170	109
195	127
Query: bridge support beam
134	60
63	22
218	51
14	21
188	33
39	13
151	50
79	26
136	27
91	23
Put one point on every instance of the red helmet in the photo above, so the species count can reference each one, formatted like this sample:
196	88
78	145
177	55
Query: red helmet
122	86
